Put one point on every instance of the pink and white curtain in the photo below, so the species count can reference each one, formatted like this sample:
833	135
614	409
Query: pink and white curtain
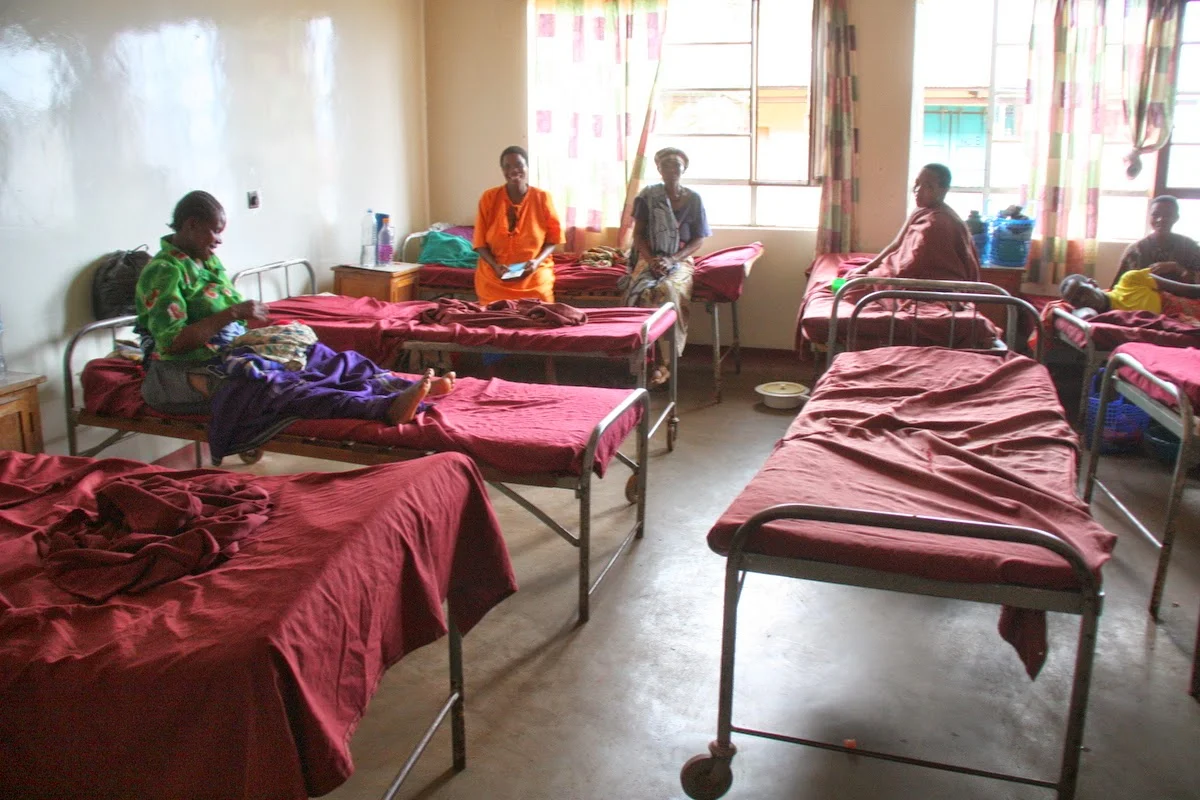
594	75
1153	31
835	150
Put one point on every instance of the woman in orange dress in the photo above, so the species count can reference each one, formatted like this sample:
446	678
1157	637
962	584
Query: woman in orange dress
515	224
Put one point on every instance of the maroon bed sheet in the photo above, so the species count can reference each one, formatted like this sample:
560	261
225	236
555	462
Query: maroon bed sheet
379	329
935	432
929	324
516	428
247	680
720	275
1112	329
1179	365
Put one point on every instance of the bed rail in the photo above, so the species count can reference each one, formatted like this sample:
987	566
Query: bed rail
977	287
710	776
1015	305
1093	359
284	266
112	325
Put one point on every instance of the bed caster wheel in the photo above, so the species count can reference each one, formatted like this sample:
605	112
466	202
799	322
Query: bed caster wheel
706	777
672	434
251	456
631	490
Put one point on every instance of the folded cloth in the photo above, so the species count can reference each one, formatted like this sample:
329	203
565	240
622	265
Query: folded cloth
503	314
147	530
448	249
603	257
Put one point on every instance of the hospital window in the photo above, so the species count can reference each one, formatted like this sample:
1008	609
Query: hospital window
969	91
733	94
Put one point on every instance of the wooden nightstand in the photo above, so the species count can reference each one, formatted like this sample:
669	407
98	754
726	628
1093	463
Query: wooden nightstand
20	416
393	282
1007	278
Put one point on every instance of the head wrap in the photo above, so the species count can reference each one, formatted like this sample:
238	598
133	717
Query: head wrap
670	151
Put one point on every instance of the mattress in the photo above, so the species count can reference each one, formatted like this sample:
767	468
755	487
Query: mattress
246	680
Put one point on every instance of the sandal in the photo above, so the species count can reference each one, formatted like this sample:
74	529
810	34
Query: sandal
659	377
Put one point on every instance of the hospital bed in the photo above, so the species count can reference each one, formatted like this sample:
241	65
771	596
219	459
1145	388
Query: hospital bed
957	468
552	436
1165	383
719	279
1095	341
387	332
246	679
911	322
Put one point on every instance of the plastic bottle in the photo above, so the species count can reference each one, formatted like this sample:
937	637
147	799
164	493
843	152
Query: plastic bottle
366	257
386	238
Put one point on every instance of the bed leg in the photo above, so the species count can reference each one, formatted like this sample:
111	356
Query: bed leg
585	543
643	459
1077	712
1196	667
458	725
715	311
199	450
737	339
1182	462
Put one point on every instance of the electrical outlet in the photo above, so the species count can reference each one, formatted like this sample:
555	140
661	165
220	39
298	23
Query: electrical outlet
252	199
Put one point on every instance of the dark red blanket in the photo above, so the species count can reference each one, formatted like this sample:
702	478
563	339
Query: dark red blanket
503	314
147	530
939	433
247	680
1177	365
1114	328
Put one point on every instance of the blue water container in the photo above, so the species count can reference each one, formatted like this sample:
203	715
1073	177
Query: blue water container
980	240
1008	241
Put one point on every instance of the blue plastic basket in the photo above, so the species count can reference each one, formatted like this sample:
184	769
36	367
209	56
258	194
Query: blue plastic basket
1008	241
1124	423
1163	443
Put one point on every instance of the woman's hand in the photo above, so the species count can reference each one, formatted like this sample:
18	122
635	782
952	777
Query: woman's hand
659	265
251	311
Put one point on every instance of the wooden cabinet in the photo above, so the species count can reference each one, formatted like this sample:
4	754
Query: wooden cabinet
1007	278
394	282
20	416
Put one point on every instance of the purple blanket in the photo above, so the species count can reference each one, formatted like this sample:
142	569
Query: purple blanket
262	398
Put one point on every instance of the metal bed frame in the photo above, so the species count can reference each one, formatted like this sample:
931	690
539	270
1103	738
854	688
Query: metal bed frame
350	452
1180	421
948	292
710	776
1093	359
613	298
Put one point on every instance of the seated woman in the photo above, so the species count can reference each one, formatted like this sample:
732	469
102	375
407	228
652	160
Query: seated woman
934	243
669	227
1162	246
190	315
1158	289
515	227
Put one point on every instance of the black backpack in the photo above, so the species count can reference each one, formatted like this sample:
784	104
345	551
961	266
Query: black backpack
115	282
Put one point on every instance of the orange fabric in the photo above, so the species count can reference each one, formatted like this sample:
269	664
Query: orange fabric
537	225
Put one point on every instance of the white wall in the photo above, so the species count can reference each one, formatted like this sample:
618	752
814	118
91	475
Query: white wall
478	104
109	112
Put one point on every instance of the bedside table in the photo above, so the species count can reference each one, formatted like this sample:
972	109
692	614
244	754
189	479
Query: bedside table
20	415
395	282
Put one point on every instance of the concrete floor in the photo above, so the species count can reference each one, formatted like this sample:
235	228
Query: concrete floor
613	709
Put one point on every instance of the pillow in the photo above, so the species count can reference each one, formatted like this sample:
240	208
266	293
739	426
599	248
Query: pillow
448	250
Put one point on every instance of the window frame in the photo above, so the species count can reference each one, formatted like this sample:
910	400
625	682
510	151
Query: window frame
753	182
1164	155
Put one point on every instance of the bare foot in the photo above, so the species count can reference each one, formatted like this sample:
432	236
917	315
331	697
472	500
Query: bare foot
443	385
404	407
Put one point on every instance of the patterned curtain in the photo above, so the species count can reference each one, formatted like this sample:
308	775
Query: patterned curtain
1064	123
1153	30
595	71
835	143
